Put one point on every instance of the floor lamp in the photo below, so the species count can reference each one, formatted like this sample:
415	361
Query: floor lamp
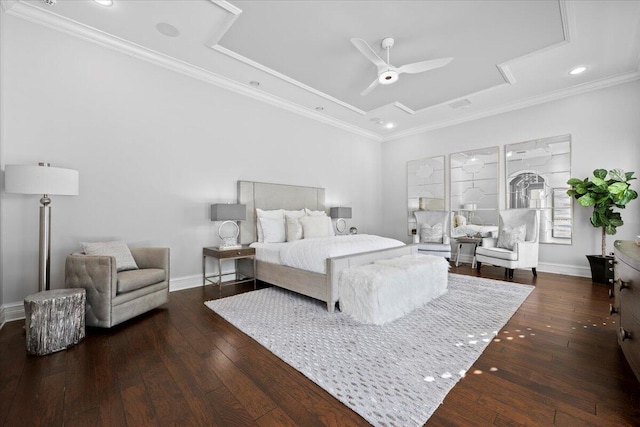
45	180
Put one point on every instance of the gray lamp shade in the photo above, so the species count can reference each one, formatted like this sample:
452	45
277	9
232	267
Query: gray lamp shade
340	212
226	212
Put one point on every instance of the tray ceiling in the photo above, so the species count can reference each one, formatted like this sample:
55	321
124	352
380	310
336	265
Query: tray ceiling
298	55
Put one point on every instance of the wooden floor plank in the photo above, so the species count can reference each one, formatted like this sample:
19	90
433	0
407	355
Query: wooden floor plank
185	365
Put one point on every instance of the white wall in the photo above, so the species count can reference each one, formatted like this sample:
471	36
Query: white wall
154	149
605	130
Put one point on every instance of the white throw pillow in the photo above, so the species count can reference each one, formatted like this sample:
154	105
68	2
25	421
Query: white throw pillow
119	250
294	229
431	234
315	226
273	230
330	230
277	213
508	237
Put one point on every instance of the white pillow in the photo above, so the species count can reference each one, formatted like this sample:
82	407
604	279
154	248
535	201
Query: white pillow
294	229
119	250
273	230
277	213
508	237
330	230
315	226
431	234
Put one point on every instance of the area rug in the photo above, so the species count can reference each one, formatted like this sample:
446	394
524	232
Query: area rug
392	375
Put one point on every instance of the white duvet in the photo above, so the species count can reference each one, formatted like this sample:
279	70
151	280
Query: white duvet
312	254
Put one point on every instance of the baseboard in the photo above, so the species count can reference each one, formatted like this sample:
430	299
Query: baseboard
11	312
569	270
186	282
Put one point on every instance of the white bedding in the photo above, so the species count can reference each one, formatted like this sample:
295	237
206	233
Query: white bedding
312	254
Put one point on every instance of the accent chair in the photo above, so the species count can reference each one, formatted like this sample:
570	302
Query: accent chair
112	296
517	243
432	233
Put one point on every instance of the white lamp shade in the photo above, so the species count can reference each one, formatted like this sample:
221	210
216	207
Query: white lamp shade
32	179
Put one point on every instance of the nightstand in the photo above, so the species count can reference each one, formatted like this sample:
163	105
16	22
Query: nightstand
245	252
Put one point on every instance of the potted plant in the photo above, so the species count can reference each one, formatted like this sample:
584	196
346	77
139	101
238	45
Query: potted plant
604	191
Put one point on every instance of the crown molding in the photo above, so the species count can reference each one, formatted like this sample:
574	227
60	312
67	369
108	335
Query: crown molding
529	102
73	28
6	5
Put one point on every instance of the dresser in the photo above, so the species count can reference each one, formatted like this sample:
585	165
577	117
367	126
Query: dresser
626	293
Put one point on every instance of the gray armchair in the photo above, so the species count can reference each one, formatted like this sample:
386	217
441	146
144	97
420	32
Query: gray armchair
438	244
112	296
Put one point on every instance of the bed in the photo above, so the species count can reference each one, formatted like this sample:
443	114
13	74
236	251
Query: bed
319	285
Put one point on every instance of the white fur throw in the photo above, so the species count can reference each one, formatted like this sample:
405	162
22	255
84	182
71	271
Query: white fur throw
389	289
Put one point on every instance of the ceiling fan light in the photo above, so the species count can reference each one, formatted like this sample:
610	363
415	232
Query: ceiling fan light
388	77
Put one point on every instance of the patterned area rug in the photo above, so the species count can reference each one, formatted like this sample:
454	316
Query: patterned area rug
392	375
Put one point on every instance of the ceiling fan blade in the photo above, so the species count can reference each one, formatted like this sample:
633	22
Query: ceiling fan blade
371	87
419	67
366	50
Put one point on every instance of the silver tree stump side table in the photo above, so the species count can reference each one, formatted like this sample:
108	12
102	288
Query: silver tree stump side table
54	320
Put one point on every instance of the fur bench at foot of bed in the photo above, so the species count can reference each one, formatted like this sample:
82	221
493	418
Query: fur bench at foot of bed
389	289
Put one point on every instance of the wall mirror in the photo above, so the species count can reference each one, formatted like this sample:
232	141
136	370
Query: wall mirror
536	176
474	192
425	187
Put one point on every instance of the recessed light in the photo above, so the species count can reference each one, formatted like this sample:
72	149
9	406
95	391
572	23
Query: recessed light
167	29
389	125
254	83
105	3
319	108
578	70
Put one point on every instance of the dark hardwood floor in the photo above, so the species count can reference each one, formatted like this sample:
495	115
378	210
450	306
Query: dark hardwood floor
556	362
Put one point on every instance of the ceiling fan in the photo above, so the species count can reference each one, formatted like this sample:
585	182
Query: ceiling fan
387	73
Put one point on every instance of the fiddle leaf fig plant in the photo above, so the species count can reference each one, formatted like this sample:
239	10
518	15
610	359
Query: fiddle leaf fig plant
604	191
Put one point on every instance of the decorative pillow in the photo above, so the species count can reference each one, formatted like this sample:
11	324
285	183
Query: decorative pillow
508	237
294	229
309	212
277	213
119	250
273	230
431	234
315	226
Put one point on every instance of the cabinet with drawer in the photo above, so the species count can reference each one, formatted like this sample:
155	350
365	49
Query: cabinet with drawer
626	288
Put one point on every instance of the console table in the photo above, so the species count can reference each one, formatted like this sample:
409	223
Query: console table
626	291
245	252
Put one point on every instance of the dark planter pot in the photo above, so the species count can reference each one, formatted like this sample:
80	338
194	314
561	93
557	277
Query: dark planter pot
601	268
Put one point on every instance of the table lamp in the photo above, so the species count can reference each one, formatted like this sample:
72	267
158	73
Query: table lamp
229	213
340	213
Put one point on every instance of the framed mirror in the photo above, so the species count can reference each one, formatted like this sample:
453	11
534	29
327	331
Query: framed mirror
425	187
474	192
536	177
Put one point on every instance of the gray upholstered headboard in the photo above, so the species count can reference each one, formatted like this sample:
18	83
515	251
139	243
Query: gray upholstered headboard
266	196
